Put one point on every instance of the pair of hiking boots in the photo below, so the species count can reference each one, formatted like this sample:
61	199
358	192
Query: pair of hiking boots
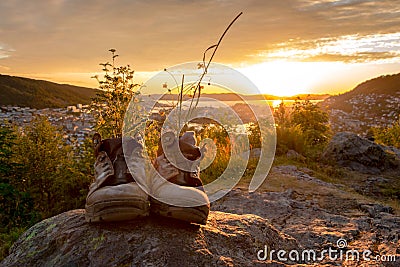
118	192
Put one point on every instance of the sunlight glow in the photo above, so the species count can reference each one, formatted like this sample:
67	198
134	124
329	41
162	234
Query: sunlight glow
283	78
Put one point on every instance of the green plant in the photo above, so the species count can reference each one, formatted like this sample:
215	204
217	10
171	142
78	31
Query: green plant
7	240
15	206
313	122
223	150
282	115
117	89
51	172
290	138
389	136
152	134
194	89
303	128
7	139
254	135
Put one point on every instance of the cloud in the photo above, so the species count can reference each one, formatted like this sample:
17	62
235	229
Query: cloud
74	36
5	52
349	48
360	16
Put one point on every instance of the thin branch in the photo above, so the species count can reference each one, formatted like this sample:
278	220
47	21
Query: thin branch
180	103
198	87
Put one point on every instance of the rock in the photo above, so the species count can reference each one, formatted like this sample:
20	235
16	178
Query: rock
291	214
374	210
359	154
372	186
291	154
226	240
317	225
392	150
254	153
377	180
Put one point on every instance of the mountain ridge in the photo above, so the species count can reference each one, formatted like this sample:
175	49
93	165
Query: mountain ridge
373	103
382	85
27	92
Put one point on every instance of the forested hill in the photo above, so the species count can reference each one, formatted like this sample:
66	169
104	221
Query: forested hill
375	102
25	92
379	89
387	84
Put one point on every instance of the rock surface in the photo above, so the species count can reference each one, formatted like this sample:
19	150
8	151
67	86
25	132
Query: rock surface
359	154
67	240
292	210
318	214
291	154
364	226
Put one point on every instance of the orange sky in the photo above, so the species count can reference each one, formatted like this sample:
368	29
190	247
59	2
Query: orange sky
284	46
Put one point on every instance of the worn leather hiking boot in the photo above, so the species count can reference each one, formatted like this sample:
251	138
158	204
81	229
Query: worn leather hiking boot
172	185
115	195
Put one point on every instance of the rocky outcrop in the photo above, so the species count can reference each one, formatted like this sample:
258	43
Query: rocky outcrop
226	240
291	154
359	154
293	209
318	220
318	214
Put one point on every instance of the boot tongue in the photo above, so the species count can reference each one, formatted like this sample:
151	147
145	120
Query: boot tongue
113	148
189	137
187	145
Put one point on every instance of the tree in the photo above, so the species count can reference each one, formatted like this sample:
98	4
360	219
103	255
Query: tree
281	115
49	174
313	122
254	135
289	135
117	89
7	137
15	206
389	136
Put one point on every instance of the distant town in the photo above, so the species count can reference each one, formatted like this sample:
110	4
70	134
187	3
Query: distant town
357	114
76	121
364	111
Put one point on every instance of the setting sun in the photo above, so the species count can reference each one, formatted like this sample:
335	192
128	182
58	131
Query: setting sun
284	78
288	78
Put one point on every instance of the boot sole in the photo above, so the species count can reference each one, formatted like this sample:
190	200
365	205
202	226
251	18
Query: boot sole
117	210
188	214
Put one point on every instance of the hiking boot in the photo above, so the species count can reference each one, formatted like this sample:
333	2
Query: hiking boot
114	195
179	193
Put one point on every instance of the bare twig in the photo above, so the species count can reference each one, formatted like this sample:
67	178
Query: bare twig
180	102
215	46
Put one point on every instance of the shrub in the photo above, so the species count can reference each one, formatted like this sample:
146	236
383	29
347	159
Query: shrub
117	89
389	136
49	174
303	128
312	121
290	138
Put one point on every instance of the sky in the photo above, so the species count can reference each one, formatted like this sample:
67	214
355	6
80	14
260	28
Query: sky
284	47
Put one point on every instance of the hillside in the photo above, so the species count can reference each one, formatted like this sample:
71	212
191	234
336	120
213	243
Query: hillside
375	102
381	88
25	92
